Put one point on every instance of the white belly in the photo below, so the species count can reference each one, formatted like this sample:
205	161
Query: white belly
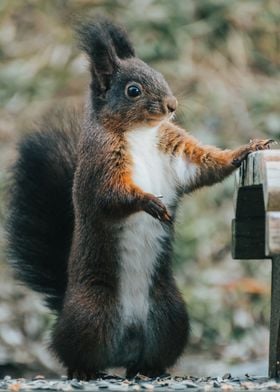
140	243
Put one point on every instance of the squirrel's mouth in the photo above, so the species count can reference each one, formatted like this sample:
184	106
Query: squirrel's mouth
153	121
160	117
156	118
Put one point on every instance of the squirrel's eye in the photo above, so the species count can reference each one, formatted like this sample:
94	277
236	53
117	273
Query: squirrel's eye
133	91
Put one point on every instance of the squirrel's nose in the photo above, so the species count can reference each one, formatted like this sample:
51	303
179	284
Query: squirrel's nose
171	104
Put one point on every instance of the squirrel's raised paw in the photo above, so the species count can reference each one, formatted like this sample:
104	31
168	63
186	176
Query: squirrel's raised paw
153	206
252	146
260	144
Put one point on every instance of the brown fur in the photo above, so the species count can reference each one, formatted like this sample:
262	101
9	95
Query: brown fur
214	164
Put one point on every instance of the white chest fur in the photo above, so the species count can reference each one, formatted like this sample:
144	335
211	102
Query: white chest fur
140	243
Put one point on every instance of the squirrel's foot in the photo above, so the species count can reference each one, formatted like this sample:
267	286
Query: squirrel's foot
153	206
146	372
253	145
82	375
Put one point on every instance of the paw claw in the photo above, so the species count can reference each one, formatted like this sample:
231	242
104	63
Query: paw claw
154	206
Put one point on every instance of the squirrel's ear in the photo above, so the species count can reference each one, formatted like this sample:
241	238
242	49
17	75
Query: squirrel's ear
122	44
97	44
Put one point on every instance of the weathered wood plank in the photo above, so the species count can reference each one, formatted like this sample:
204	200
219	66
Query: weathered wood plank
272	186
249	202
261	168
257	198
273	234
248	238
274	344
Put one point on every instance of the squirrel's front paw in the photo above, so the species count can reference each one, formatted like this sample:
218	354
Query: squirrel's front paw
153	206
253	145
260	144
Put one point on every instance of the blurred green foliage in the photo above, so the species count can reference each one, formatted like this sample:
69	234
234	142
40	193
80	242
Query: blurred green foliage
221	58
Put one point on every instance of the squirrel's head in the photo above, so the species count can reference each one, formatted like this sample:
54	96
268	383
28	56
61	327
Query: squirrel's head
125	91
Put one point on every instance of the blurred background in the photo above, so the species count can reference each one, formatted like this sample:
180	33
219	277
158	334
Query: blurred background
221	58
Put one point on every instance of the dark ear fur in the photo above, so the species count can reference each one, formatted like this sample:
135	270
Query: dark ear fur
104	43
97	44
121	42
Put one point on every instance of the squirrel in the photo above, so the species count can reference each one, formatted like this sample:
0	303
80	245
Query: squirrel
91	213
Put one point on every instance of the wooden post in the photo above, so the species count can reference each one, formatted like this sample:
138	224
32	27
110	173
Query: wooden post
256	230
274	343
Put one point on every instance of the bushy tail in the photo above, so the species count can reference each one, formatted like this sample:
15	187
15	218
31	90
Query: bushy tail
41	217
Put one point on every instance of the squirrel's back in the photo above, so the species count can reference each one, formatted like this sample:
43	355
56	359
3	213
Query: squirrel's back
41	218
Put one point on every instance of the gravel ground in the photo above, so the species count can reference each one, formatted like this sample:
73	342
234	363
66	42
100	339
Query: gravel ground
165	383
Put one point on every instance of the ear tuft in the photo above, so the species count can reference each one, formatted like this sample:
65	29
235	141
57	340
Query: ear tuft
95	41
122	43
